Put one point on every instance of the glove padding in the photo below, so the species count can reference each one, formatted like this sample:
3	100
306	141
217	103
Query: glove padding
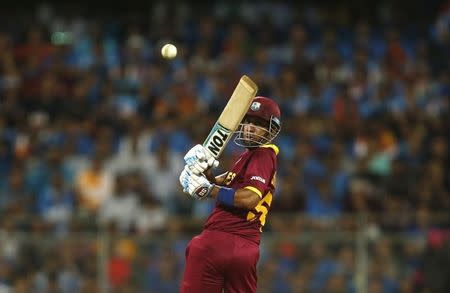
199	159
197	186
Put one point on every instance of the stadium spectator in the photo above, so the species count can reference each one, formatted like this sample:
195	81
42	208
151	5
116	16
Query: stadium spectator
85	97
94	186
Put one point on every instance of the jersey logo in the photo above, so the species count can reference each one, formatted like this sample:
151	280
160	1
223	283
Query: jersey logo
258	178
229	178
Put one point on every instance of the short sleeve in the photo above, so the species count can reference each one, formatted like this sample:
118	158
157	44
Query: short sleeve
260	170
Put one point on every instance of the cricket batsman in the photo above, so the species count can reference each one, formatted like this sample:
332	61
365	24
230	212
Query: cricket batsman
224	256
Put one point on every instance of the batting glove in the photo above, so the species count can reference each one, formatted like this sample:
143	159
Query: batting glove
197	186
199	159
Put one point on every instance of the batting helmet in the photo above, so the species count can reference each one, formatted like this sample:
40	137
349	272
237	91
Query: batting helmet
266	110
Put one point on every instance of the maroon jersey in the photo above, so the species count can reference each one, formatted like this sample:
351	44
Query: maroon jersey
255	169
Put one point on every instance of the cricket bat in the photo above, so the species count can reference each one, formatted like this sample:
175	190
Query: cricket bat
231	116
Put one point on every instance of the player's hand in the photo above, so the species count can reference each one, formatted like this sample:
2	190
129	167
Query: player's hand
199	159
197	186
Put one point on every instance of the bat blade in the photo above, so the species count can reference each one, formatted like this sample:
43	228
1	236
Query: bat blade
231	116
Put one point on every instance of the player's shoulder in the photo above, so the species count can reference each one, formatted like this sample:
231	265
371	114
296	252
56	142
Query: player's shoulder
269	148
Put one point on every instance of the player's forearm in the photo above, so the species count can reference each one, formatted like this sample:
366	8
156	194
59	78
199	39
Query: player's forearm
215	179
240	198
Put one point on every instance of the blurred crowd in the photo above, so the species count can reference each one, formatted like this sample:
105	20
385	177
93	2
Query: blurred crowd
94	123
